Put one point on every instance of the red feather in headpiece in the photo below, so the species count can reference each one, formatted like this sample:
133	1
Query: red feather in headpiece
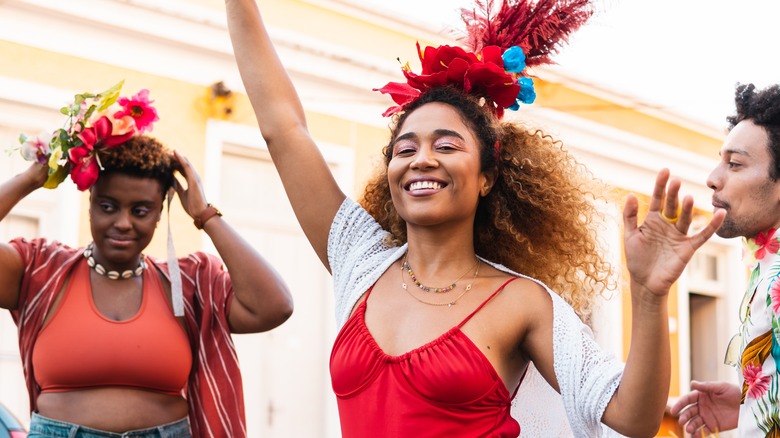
539	27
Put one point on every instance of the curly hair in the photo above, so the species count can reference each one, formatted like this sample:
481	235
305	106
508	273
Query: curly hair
762	108
540	218
141	156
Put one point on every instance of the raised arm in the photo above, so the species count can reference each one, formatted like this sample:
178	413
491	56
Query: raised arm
261	300
657	252
11	269
310	186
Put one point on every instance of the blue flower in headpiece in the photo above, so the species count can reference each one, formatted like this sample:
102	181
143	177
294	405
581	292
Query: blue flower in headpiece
527	93
514	59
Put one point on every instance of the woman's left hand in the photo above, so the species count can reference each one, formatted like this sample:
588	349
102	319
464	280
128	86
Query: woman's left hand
192	197
658	250
261	299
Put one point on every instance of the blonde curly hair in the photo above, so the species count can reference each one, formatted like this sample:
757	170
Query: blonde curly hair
541	216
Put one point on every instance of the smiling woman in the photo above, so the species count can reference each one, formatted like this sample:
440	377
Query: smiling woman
536	177
112	340
463	194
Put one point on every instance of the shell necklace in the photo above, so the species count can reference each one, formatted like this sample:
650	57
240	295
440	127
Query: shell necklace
113	275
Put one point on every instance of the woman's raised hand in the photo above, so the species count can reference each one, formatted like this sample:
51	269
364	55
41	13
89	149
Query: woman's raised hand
658	250
311	188
193	198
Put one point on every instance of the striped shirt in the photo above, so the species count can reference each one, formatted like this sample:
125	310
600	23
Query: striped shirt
214	390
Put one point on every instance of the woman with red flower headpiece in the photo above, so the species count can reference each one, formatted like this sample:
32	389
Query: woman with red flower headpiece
114	343
438	327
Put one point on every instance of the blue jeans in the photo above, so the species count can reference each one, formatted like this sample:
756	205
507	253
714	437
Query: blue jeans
42	427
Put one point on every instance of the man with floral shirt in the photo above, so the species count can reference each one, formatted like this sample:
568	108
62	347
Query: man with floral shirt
746	183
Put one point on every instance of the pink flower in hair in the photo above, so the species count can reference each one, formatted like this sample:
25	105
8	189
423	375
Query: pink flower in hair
85	167
140	109
84	157
123	125
37	148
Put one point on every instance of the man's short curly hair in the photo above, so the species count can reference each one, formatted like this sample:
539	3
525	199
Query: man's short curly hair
540	217
141	156
762	107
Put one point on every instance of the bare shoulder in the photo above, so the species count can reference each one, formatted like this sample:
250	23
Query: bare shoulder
11	259
523	303
519	320
11	269
525	295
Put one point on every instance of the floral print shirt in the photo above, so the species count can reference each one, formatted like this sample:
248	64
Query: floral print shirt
760	332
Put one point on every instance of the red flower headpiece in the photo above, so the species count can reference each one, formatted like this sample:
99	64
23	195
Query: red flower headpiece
520	33
447	65
94	123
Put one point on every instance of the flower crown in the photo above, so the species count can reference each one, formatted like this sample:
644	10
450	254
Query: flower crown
95	122
502	38
496	76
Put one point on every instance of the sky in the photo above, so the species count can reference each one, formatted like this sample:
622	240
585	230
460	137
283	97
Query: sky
684	56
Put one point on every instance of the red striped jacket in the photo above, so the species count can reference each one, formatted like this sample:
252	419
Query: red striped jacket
214	389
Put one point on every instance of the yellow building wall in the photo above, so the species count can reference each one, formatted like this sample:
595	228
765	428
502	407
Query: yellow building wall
559	97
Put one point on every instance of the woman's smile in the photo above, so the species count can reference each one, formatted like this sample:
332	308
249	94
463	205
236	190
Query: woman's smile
424	186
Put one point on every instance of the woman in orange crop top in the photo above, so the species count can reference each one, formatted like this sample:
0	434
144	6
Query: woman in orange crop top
438	328
113	341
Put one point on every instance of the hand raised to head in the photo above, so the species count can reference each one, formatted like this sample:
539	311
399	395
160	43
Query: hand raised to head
38	174
658	250
193	198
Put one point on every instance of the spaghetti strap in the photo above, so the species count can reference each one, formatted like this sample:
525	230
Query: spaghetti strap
361	302
517	388
500	288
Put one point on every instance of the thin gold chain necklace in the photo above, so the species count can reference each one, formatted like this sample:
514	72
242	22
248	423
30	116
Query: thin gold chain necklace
424	288
448	304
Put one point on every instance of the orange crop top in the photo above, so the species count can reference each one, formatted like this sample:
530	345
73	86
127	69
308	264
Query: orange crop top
80	348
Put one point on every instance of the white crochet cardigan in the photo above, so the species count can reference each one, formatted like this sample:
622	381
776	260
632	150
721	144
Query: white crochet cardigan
587	376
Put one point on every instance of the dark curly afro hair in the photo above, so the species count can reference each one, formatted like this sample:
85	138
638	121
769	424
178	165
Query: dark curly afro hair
762	107
141	156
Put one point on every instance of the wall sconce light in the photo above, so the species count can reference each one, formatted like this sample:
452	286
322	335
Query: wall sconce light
220	101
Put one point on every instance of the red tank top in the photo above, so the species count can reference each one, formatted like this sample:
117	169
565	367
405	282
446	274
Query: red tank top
80	348
446	387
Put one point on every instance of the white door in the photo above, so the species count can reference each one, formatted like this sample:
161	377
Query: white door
285	371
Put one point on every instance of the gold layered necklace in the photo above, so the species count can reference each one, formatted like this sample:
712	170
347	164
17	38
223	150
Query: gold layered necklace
424	288
437	290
